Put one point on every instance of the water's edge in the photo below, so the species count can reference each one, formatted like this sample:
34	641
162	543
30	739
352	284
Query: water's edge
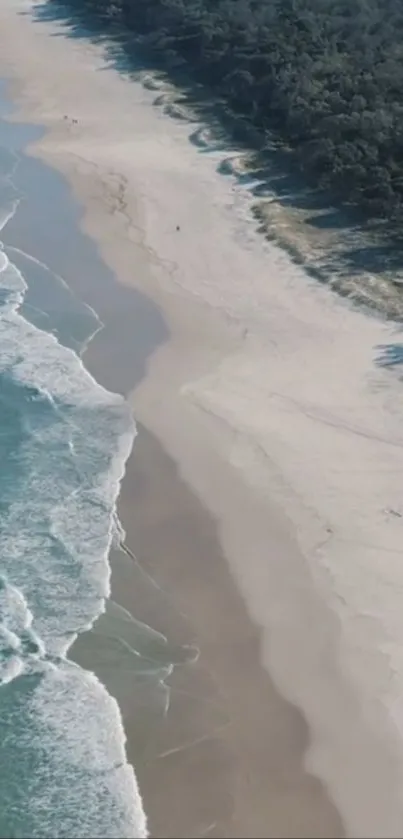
43	302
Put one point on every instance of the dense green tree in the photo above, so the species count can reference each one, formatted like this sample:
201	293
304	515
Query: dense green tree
327	75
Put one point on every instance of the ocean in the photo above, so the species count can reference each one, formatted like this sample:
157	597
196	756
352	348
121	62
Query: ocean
64	442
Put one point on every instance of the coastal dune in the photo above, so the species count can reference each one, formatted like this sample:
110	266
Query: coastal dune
274	399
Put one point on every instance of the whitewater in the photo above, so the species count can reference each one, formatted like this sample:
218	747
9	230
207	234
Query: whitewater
64	442
282	404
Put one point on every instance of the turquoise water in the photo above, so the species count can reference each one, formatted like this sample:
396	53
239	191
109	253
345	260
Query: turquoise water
64	441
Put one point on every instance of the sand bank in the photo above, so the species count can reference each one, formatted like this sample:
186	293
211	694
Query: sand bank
270	397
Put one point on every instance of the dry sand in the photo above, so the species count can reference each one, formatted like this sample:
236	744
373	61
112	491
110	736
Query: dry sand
269	400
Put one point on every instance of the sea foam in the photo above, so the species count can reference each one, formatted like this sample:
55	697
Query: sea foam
64	442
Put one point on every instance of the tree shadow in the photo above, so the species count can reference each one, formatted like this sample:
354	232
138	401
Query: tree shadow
375	258
339	243
330	219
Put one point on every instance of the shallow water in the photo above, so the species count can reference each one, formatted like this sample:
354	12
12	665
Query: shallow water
64	441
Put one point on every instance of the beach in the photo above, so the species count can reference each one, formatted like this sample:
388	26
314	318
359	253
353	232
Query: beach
262	499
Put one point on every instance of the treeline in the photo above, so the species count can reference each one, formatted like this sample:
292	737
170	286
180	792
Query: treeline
326	75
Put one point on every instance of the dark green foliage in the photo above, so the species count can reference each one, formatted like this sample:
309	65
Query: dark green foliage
326	75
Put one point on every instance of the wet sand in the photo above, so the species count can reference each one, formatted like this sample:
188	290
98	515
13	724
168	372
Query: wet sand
227	759
259	493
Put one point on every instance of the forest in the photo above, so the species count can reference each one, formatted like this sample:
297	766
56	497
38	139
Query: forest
325	75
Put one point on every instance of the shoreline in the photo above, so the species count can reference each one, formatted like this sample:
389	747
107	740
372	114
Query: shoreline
188	753
210	380
195	692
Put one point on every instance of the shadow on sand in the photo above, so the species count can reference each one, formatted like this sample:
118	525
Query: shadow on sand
335	245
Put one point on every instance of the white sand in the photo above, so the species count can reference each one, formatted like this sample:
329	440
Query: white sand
268	397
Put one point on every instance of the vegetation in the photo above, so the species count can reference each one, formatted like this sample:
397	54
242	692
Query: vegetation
326	75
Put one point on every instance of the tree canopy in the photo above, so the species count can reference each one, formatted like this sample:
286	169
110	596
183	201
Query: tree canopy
326	75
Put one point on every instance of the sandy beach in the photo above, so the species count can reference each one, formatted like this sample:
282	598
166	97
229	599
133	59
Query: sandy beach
263	496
